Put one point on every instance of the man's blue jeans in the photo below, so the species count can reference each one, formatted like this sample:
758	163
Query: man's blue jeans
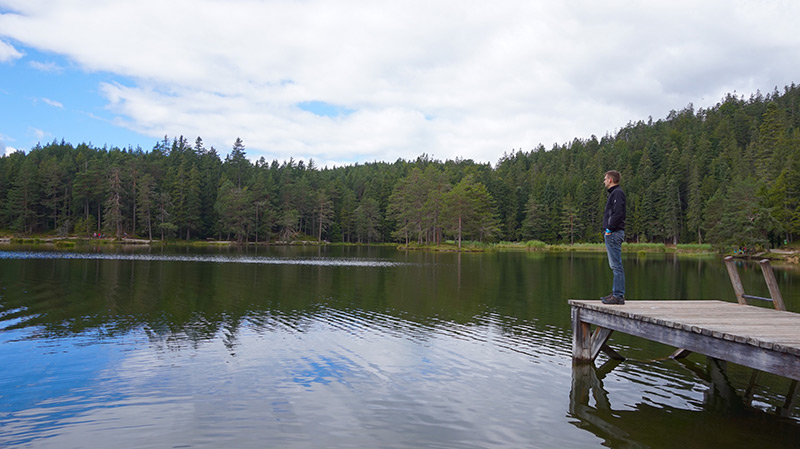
614	250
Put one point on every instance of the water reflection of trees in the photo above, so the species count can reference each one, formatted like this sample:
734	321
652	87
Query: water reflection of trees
518	292
180	303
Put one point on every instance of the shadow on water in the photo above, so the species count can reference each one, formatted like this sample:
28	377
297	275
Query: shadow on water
722	419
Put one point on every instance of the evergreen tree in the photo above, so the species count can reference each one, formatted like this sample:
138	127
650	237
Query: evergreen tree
367	218
323	211
145	199
469	210
406	206
52	182
289	223
113	216
671	216
23	197
238	163
535	224
569	219
192	206
236	210
694	211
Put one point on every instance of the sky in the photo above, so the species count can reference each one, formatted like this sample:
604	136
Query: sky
344	82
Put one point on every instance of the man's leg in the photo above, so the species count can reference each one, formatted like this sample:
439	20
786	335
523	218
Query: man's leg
614	249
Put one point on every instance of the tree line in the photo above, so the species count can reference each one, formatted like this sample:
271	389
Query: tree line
728	175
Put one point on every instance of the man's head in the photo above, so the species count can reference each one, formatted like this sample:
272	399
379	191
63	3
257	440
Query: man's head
611	179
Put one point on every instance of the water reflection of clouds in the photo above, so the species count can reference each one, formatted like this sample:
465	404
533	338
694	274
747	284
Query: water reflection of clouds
324	370
50	384
415	384
326	261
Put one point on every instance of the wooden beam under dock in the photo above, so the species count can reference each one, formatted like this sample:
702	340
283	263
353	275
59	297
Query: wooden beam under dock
764	339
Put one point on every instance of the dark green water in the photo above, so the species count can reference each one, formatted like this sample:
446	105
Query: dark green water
358	347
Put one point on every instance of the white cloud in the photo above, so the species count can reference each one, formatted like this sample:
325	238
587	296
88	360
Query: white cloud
52	103
449	78
8	52
38	133
49	67
4	148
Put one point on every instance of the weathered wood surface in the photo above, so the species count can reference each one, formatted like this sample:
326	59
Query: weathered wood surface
757	337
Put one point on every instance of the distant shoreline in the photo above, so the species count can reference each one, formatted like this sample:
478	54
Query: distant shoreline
788	255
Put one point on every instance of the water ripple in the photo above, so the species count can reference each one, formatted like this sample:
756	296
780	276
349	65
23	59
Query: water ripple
326	261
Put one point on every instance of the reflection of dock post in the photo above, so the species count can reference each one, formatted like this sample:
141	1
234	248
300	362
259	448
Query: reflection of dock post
586	379
720	386
587	382
791	400
581	384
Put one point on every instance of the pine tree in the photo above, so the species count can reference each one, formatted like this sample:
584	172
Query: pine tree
694	211
367	220
468	210
671	216
113	216
51	175
238	162
569	219
323	211
145	199
192	204
23	198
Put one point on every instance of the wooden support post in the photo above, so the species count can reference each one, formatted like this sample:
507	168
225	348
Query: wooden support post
772	284
581	338
680	353
599	339
730	264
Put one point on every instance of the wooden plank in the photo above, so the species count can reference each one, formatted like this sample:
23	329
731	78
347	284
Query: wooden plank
774	361
771	326
687	308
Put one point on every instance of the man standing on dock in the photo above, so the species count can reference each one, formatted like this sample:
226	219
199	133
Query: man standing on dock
614	224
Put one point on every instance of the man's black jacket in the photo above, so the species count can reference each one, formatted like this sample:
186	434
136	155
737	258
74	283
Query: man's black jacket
614	215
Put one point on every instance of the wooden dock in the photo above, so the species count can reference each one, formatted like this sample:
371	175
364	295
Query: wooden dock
763	339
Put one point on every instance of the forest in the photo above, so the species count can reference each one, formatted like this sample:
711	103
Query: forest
728	175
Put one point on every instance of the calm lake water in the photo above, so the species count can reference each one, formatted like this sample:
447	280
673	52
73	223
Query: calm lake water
361	348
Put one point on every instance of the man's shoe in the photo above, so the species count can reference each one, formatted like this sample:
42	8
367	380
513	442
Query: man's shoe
606	298
614	300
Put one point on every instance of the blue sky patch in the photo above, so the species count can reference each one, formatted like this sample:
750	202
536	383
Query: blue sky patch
46	97
324	109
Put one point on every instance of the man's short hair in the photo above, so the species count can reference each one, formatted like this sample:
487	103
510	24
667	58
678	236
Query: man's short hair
614	175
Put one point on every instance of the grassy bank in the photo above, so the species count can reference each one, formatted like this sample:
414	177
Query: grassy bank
789	254
535	245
